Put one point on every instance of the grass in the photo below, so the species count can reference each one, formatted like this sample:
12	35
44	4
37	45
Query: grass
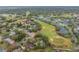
55	39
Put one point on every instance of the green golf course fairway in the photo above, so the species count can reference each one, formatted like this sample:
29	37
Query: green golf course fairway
55	39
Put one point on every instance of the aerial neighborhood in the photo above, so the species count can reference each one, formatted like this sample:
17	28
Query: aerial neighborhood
39	29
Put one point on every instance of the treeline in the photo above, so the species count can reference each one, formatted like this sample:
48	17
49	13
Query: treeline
41	9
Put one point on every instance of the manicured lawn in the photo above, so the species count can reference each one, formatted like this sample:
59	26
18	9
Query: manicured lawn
55	39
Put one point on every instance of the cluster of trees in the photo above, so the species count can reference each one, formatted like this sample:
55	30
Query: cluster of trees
33	26
20	34
42	10
39	42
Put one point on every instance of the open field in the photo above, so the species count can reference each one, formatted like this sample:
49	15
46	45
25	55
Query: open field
54	38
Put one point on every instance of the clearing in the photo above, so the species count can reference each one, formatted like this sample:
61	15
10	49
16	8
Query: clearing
56	40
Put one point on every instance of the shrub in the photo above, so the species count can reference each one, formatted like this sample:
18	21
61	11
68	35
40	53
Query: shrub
41	41
19	36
